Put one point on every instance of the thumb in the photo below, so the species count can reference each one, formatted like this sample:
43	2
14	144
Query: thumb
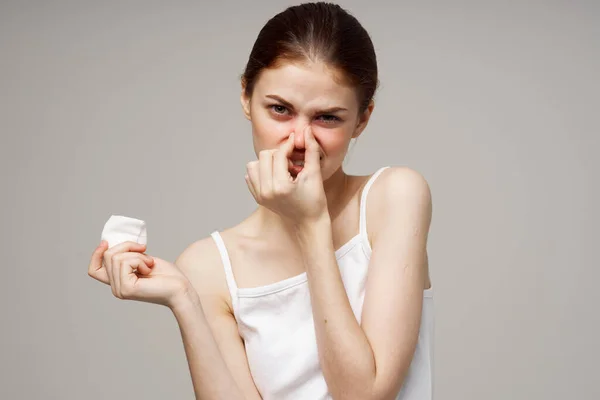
95	269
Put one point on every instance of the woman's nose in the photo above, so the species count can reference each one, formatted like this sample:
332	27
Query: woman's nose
299	137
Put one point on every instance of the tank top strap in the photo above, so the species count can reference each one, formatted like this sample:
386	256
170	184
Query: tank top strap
233	289
363	205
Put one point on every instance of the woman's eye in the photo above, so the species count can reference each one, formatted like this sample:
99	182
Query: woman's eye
330	118
279	109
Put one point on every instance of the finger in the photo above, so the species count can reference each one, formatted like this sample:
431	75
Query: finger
253	176
96	270
124	247
142	262
145	268
250	187
147	262
265	169
127	277
281	161
113	273
128	246
312	157
122	260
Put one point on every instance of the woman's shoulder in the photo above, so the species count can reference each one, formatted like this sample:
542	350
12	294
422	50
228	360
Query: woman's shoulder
392	181
202	264
400	178
204	253
398	188
198	253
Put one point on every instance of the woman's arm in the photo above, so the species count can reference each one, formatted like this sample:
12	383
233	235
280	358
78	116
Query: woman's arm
214	350
370	360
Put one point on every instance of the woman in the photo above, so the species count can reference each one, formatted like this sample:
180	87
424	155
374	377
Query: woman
318	293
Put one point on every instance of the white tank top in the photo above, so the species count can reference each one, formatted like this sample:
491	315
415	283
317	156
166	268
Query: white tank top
276	323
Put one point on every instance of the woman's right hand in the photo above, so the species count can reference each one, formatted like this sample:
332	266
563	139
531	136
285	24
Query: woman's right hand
155	280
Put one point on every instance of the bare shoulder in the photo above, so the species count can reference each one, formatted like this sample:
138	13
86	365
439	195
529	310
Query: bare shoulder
197	256
401	181
398	190
201	262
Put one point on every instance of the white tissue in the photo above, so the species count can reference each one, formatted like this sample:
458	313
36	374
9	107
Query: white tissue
119	229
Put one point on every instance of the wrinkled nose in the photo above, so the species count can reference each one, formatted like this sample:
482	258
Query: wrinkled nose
299	137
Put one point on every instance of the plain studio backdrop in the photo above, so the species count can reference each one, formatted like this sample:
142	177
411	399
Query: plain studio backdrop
132	108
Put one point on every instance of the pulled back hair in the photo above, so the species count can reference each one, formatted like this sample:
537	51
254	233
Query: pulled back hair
316	32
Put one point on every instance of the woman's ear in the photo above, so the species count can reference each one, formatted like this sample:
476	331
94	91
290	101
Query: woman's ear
245	101
363	120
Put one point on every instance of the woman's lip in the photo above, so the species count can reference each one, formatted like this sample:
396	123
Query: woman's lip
295	169
298	157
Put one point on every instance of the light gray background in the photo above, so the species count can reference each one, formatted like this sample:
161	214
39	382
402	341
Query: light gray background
131	107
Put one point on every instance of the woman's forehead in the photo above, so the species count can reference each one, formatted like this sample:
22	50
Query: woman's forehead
305	82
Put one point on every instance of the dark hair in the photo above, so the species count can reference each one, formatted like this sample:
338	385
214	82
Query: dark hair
316	32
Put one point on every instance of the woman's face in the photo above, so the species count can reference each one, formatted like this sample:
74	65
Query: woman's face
288	98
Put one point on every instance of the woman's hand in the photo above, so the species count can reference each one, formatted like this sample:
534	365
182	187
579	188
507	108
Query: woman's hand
133	275
300	200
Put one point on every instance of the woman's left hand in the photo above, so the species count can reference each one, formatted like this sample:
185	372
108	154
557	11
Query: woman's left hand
300	200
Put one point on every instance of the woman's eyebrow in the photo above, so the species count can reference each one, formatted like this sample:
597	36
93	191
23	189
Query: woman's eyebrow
289	105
